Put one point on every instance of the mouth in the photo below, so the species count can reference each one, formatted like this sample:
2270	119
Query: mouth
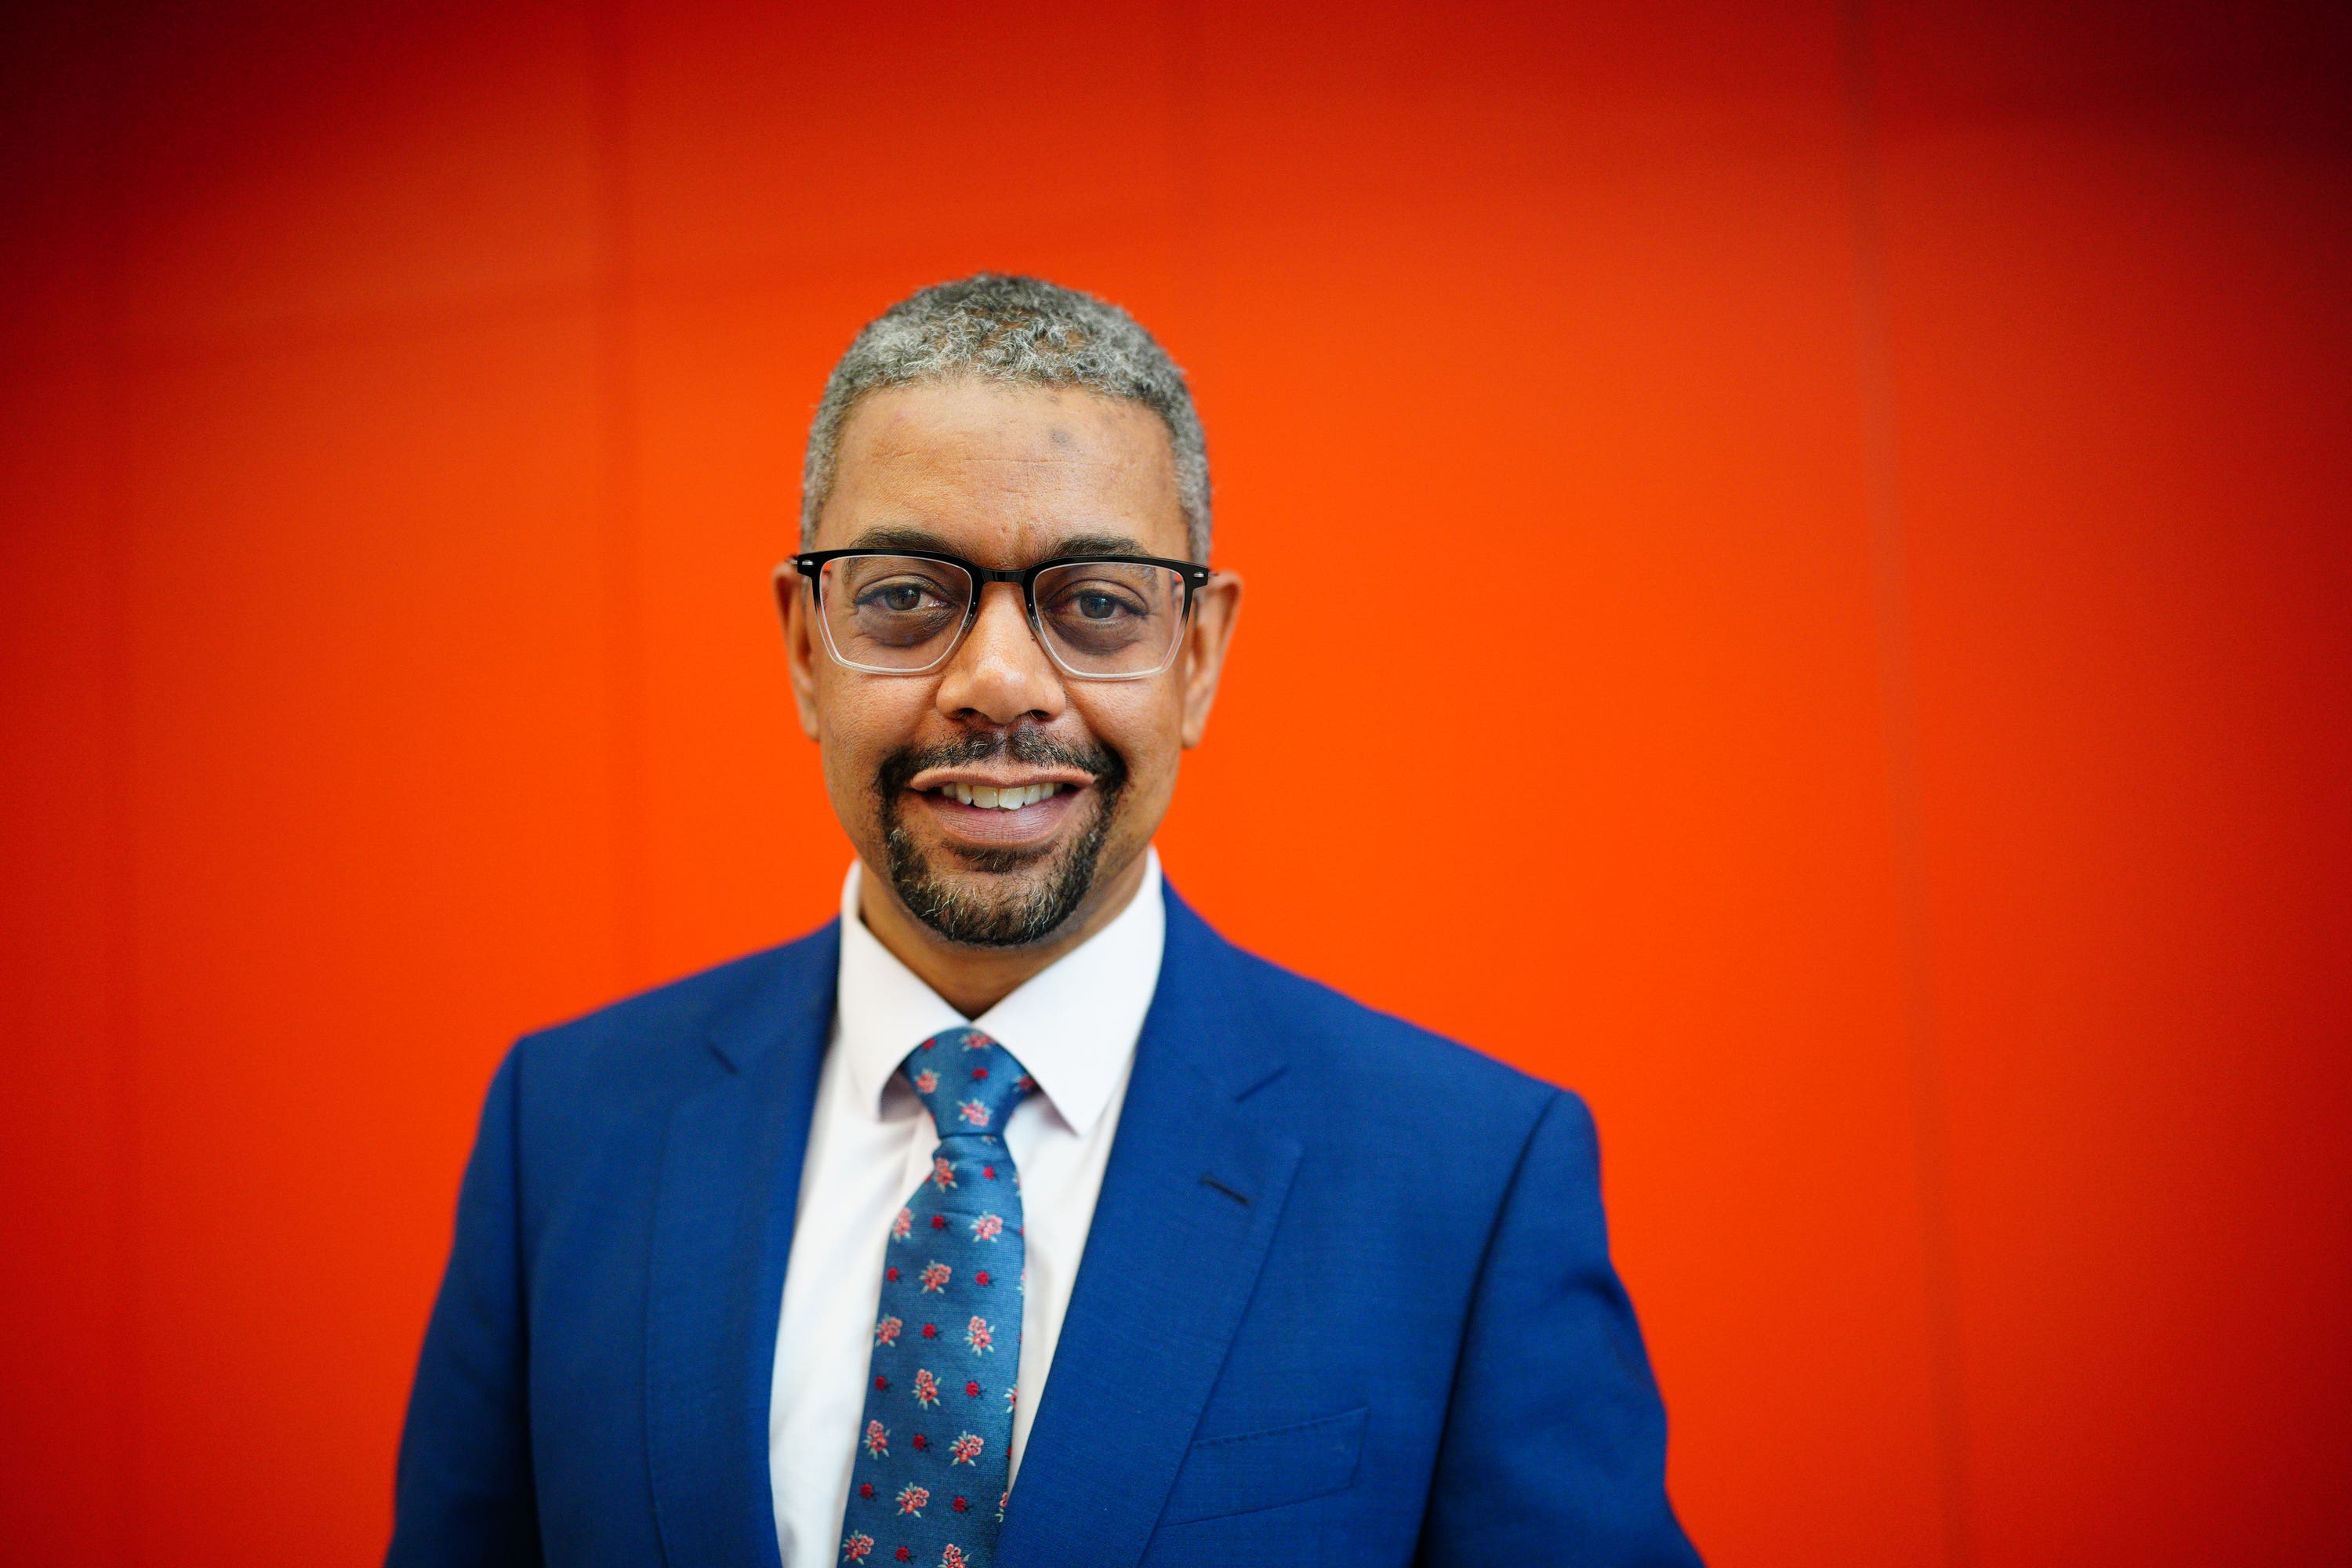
994	837
997	812
999	797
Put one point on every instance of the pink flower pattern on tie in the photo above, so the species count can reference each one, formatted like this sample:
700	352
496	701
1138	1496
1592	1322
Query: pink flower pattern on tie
968	1210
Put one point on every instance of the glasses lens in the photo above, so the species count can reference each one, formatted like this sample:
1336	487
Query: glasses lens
1111	617
893	612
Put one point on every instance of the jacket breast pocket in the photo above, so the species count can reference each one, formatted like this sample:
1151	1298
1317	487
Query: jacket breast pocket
1253	1470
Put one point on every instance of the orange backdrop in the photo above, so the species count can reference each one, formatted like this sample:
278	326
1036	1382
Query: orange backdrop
1905	446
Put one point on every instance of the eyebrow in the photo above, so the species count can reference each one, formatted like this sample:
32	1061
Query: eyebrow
900	536
1095	544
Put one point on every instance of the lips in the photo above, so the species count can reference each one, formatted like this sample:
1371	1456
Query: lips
999	817
1006	798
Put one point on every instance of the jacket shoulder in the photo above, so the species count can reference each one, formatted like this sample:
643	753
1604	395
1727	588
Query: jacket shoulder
1373	1064
675	1036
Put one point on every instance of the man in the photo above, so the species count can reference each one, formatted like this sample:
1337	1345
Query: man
1016	1218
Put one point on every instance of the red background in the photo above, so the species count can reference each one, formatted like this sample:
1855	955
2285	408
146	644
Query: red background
1899	455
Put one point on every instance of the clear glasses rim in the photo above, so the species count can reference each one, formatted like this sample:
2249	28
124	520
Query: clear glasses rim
809	565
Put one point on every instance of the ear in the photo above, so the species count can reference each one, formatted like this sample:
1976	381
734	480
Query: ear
796	604
1215	608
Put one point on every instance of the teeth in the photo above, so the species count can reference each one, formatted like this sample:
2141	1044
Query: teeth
999	799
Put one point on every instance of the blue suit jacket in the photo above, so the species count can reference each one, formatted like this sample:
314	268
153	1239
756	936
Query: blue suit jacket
1347	1298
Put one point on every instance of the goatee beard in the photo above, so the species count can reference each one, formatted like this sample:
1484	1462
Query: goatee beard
1029	911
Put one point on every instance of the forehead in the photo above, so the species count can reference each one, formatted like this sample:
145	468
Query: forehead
1003	473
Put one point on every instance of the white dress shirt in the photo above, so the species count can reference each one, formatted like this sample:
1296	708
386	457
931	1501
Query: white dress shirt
1074	1027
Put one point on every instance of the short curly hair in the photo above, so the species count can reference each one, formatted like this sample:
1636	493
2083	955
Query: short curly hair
1020	330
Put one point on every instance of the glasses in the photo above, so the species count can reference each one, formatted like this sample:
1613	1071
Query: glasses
1103	617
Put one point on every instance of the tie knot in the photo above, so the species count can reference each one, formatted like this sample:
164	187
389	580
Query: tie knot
970	1082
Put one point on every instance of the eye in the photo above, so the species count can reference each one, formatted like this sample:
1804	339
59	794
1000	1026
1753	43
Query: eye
899	598
1096	602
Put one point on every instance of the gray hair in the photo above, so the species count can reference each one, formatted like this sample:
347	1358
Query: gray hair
1023	331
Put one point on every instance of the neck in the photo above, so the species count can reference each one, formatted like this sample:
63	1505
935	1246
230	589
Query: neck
971	980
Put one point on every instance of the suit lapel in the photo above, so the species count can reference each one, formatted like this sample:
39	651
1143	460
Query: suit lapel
1189	1205
722	1229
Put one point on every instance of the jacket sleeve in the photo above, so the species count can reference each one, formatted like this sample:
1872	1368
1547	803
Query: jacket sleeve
1555	1443
463	1496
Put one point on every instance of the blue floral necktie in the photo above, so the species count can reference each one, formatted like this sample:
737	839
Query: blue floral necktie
935	1450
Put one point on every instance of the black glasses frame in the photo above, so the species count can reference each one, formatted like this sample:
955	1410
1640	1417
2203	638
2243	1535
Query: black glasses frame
1195	578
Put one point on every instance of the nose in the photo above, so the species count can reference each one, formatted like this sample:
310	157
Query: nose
1000	675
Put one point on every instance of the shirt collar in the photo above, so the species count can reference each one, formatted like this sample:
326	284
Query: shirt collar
1073	1025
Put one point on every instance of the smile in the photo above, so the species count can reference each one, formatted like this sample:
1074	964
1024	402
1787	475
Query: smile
995	799
1000	815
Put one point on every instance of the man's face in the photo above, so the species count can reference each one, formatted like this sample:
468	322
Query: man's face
1005	476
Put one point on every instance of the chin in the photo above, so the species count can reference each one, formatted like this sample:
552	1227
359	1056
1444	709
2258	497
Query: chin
1000	898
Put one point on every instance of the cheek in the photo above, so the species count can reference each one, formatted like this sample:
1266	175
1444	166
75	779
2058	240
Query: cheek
861	721
1144	726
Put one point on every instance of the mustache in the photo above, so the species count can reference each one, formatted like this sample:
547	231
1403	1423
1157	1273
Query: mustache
1099	762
